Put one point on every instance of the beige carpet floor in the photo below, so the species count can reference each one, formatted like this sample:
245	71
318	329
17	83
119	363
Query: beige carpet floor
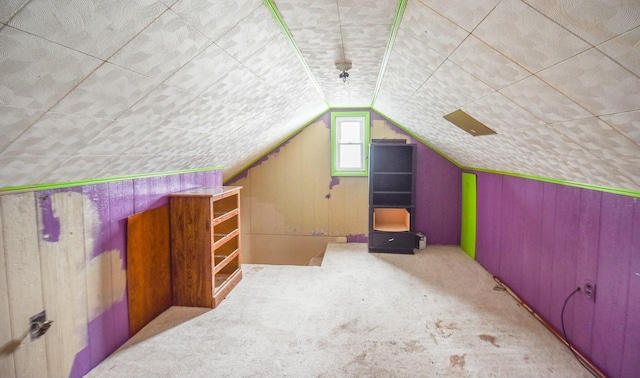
432	314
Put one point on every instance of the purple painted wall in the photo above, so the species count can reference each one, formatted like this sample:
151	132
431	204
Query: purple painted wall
544	240
438	193
115	202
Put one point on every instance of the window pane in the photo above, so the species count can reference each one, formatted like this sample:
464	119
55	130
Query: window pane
349	132
350	156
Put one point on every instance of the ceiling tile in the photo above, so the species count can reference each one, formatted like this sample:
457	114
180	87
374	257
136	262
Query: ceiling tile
214	17
271	55
320	47
595	82
541	100
161	103
14	121
595	20
96	27
387	103
434	99
461	82
203	70
466	14
599	138
106	93
547	140
10	7
487	64
37	73
162	48
365	45
309	14
238	84
630	168
430	28
55	135
535	43
372	12
75	168
115	139
597	172
401	77
626	123
249	36
501	114
624	50
26	170
287	75
422	59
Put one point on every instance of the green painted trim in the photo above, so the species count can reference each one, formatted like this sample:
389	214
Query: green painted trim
414	136
334	151
278	17
402	4
469	210
69	184
278	145
624	192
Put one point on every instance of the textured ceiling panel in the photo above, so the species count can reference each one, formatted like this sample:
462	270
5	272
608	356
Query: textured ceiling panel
203	70
527	37
14	121
99	88
55	135
595	20
599	138
107	93
10	7
163	47
535	96
255	31
464	13
214	17
95	27
626	123
309	14
432	29
163	102
501	114
37	73
624	49
487	64
596	82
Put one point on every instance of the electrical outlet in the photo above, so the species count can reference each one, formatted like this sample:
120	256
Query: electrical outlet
590	289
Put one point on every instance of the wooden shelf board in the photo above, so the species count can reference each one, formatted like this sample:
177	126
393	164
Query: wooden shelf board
225	287
224	239
221	218
226	261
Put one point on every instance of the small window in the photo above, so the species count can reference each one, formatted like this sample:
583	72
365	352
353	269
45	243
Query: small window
349	143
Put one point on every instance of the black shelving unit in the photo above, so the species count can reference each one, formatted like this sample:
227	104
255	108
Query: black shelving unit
392	182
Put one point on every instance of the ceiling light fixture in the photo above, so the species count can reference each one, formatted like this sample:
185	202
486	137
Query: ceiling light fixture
343	67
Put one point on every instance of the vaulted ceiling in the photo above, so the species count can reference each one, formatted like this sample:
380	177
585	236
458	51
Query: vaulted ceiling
102	88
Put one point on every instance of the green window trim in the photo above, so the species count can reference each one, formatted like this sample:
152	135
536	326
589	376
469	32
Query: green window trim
335	169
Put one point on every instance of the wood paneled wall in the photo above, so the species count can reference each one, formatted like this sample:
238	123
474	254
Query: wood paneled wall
546	239
292	206
64	251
